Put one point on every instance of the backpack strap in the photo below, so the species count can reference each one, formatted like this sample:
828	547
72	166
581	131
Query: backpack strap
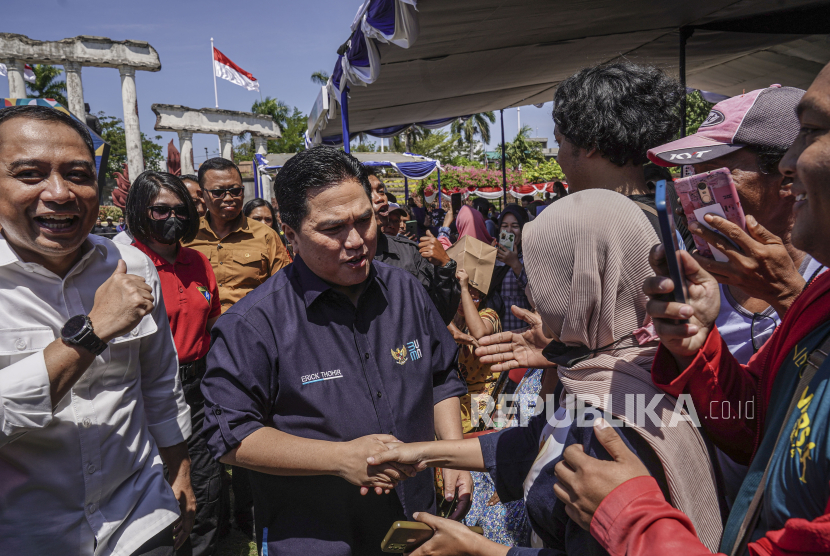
814	362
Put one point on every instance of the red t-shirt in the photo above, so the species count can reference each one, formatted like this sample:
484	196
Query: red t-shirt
191	298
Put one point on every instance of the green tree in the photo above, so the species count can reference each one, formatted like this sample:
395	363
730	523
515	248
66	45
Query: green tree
363	147
521	151
469	129
697	108
46	84
320	77
440	145
113	133
546	171
292	124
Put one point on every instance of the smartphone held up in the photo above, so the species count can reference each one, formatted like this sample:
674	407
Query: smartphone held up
710	193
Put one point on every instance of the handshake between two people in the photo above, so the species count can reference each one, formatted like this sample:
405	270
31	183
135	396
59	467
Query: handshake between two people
379	462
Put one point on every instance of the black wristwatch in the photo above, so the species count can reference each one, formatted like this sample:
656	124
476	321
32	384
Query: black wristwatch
452	265
78	331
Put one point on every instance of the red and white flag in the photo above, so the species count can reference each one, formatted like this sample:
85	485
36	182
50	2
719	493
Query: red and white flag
225	68
28	72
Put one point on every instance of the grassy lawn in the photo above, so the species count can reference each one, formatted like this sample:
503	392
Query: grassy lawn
236	544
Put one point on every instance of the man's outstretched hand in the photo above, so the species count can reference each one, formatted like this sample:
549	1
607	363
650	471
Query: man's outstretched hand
381	478
584	482
515	350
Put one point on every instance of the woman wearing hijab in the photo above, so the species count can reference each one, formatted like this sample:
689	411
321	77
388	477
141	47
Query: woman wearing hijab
507	287
587	257
160	216
469	222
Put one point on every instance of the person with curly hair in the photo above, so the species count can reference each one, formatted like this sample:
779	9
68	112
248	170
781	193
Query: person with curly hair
607	118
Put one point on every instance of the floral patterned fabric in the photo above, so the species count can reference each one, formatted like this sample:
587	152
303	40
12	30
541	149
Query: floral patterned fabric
480	379
505	524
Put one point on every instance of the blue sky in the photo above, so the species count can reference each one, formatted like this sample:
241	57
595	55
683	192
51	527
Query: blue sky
280	42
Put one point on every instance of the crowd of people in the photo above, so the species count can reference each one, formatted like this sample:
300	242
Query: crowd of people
352	373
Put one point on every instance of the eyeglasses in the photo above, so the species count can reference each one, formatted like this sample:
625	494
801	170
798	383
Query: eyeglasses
760	331
220	193
162	212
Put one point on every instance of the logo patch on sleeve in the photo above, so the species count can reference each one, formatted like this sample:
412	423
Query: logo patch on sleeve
205	293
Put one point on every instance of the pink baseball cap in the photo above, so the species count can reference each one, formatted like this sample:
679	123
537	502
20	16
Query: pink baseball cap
764	118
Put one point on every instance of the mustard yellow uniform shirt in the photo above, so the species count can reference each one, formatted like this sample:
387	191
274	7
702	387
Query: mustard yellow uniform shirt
243	259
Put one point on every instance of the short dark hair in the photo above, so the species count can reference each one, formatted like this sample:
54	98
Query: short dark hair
316	167
528	198
48	114
191	177
144	189
218	163
255	204
621	109
482	205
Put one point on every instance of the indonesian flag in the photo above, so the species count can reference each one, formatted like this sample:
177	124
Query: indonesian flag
28	72
223	67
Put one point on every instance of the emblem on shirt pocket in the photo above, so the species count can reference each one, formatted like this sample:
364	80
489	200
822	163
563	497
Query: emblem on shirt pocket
205	293
399	355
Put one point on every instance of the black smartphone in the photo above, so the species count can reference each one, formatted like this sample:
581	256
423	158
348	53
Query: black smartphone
670	244
412	228
455	202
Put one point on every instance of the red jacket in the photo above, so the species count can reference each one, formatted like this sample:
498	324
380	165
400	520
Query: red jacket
636	520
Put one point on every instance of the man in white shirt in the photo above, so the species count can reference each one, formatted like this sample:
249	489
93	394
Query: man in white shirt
90	399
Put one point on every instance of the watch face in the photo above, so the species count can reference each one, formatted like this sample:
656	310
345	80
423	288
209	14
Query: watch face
73	326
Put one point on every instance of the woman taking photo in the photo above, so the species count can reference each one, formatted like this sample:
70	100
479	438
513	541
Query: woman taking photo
160	215
509	277
587	256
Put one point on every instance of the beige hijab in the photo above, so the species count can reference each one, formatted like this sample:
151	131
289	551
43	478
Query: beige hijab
586	258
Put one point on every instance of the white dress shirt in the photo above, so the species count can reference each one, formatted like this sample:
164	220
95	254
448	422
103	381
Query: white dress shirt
85	478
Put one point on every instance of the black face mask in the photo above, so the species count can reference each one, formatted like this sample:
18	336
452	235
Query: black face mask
168	231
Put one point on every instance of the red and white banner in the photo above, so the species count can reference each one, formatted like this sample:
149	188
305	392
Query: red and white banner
28	72
225	68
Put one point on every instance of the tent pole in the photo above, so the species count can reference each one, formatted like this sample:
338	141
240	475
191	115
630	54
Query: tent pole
344	119
405	187
503	157
685	33
440	193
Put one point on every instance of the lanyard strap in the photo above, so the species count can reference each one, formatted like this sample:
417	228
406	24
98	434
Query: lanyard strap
814	362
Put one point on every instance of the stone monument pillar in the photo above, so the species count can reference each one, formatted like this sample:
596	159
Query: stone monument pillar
186	148
17	85
75	89
132	132
226	145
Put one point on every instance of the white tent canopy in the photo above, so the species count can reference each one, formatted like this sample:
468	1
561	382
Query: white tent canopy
473	56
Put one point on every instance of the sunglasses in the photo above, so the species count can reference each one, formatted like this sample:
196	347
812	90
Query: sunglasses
220	193
162	212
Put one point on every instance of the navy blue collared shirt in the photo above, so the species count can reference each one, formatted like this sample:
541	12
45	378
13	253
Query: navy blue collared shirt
296	355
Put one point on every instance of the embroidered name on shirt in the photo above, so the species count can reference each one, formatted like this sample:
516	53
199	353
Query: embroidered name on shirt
321	376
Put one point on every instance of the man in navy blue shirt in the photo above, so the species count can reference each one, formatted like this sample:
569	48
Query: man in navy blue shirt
320	367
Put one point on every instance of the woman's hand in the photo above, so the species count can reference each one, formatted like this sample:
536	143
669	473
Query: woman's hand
463	278
515	350
510	258
412	454
454	539
449	216
460	338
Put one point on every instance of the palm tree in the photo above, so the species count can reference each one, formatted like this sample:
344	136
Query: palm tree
408	137
273	107
475	125
320	77
46	85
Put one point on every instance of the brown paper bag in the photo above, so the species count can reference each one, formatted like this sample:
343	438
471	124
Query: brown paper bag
477	258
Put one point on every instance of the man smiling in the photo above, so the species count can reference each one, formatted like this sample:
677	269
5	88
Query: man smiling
319	367
89	388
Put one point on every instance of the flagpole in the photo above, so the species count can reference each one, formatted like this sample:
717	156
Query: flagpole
213	69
